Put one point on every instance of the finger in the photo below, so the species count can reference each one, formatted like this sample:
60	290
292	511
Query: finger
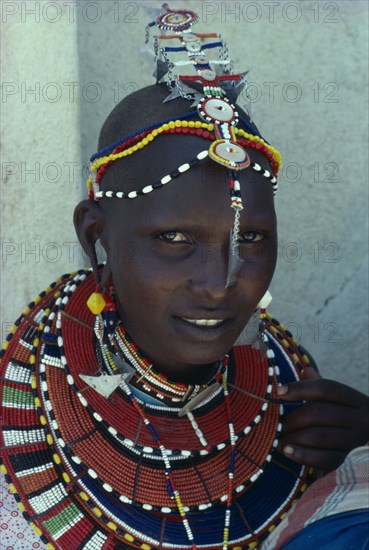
323	390
335	439
316	458
316	413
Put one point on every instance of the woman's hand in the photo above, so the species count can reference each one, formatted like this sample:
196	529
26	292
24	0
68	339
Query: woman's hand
333	420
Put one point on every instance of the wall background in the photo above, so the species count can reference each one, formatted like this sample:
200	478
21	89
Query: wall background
66	64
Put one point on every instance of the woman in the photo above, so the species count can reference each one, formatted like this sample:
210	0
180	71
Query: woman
130	420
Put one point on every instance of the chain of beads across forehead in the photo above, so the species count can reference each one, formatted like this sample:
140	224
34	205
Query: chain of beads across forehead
179	127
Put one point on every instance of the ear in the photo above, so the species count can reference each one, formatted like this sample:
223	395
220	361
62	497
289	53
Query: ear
88	222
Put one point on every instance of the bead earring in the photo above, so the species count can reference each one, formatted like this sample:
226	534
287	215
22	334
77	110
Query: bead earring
262	337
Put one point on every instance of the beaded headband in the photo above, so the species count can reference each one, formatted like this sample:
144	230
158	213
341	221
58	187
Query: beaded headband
215	108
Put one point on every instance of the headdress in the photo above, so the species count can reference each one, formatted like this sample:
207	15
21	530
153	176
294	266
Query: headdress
215	117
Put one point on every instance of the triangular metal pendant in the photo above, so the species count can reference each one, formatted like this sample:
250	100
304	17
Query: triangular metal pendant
199	398
104	384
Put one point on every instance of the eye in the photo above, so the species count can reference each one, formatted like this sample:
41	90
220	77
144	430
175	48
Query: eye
174	237
251	237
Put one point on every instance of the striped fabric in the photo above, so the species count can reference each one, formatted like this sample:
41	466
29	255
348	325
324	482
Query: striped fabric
341	491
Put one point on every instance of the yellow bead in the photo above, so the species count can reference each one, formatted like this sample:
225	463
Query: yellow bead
150	137
5	345
56	458
21	507
33	382
271	528
96	303
97	512
154	133
145	141
304	487
191	124
26	310
43	420
49	546
66	477
129	537
12	488
185	124
32	359
171	124
145	547
197	124
3	470
36	529
112	526
140	145
49	438
165	127
253	544
84	496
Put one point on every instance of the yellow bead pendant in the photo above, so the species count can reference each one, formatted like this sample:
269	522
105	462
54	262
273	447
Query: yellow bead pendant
96	303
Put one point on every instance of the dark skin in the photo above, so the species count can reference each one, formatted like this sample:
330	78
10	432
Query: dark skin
168	255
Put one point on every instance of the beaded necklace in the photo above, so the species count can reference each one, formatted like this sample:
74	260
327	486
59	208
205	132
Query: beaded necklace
101	479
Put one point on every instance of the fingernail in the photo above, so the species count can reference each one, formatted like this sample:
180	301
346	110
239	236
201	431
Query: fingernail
288	450
282	390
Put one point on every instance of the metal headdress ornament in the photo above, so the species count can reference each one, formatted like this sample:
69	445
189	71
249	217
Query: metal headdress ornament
215	117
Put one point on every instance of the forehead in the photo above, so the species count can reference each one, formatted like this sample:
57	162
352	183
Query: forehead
202	191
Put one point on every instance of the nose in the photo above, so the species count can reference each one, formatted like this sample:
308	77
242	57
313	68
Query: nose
209	274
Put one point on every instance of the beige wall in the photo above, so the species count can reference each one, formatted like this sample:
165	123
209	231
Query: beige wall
308	64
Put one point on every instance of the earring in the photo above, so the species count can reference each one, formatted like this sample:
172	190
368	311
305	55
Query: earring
265	301
262	337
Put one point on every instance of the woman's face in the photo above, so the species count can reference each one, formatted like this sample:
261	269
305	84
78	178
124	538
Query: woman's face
168	252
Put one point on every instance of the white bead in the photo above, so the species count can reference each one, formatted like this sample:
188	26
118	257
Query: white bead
184	168
202	155
257	167
147	506
107	487
109	194
147	189
120	194
165	510
165	179
240	488
265	301
92	473
132	194
148	450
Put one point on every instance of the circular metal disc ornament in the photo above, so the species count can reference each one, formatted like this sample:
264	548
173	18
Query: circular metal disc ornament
217	110
193	46
179	20
229	153
208	74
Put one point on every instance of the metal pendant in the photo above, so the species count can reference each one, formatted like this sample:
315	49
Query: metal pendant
104	384
198	399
